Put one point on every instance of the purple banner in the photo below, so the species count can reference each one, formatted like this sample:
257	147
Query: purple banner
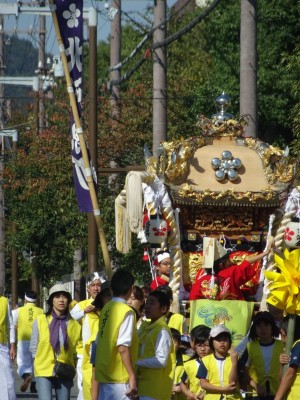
70	20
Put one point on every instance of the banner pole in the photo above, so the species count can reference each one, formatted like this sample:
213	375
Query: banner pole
79	131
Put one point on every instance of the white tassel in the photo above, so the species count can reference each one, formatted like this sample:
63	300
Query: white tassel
123	234
134	201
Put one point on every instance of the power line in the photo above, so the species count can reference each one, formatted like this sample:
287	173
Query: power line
164	43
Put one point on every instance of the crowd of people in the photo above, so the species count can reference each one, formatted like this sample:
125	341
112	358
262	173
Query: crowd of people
123	342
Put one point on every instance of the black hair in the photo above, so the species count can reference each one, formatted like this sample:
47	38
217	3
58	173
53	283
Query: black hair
268	318
31	294
220	261
102	298
176	334
197	330
211	339
166	289
162	298
121	282
202	336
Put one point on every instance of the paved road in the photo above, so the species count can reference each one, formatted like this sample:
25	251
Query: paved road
27	395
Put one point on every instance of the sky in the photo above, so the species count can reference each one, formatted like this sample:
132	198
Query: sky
26	26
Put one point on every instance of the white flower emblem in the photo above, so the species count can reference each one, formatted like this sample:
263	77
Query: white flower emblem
72	16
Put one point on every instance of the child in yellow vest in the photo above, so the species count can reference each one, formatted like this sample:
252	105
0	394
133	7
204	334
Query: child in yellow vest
200	344
218	372
154	364
263	369
290	384
174	320
177	365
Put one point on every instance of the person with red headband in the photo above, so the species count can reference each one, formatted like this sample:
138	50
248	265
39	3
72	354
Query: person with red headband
162	269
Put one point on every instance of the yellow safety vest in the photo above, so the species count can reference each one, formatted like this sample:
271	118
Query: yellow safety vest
26	316
176	322
154	382
44	359
213	377
3	320
82	305
109	367
92	319
191	369
256	367
294	391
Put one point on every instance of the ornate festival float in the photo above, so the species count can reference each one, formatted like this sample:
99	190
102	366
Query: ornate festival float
217	184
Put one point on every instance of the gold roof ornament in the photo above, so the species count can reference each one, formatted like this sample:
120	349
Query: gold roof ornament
261	177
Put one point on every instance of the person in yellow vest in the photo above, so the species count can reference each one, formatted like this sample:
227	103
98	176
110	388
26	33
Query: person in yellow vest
101	299
156	350
55	336
263	369
174	320
86	313
177	366
218	372
189	382
24	318
7	350
289	388
117	342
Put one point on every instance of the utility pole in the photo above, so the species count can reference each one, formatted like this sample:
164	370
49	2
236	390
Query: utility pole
42	68
13	133
115	55
2	238
248	65
159	78
93	128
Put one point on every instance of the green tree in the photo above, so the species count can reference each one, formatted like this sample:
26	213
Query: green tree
40	199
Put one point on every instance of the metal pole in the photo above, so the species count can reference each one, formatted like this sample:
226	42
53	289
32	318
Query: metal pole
248	65
92	227
159	78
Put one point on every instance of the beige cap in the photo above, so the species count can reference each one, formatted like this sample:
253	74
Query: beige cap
217	330
59	287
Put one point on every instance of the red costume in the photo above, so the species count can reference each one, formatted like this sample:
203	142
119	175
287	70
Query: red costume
224	285
158	281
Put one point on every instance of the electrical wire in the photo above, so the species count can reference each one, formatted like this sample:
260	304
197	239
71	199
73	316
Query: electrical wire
165	42
148	36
